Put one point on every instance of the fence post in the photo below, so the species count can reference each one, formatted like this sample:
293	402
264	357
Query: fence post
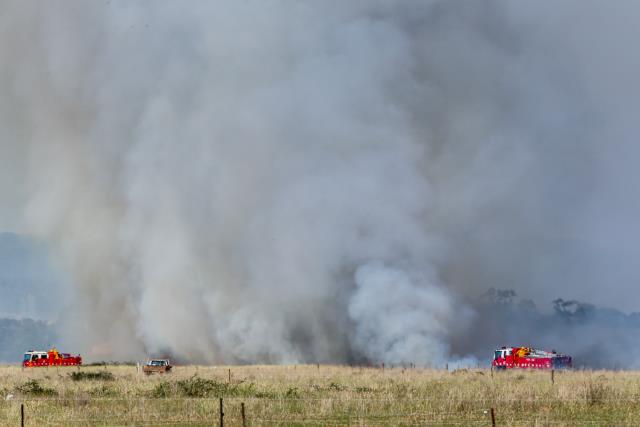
221	414
552	376
229	376
22	415
493	418
244	417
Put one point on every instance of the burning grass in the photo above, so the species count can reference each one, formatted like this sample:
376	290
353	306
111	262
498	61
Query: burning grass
325	395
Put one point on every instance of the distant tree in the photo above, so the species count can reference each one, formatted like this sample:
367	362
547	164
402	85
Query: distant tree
499	296
572	309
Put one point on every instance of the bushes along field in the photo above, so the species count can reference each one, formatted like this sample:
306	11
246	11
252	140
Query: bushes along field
318	396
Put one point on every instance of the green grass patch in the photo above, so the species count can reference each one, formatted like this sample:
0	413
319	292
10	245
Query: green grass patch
34	388
91	376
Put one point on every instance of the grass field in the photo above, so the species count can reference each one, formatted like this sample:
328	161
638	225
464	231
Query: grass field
312	395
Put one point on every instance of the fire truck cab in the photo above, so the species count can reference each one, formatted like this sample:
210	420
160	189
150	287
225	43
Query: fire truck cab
34	356
502	353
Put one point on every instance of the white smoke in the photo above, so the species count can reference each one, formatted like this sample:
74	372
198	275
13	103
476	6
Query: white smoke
307	181
399	318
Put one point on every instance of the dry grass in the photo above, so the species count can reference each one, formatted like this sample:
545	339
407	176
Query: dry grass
328	395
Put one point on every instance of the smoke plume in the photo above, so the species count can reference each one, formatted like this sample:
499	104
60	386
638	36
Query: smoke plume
319	181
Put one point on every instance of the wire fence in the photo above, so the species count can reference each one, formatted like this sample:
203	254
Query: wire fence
502	400
256	412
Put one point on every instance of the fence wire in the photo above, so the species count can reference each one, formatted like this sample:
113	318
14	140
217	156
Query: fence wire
280	411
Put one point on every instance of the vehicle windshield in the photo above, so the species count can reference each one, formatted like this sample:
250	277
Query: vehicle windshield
497	355
27	357
157	363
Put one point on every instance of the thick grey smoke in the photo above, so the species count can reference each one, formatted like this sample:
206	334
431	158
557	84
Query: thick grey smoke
400	318
318	181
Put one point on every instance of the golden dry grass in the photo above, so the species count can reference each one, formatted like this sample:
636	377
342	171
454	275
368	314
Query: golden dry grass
328	395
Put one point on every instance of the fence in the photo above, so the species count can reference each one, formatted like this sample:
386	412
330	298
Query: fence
256	412
231	412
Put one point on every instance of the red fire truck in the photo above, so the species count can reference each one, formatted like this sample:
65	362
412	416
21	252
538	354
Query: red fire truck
529	358
33	359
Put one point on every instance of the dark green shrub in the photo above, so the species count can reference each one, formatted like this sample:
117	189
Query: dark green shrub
92	376
111	363
163	390
203	387
103	391
33	388
292	393
336	387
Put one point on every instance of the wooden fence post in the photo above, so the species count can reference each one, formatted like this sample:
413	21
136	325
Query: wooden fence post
22	415
552	376
493	418
229	376
221	414
244	417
